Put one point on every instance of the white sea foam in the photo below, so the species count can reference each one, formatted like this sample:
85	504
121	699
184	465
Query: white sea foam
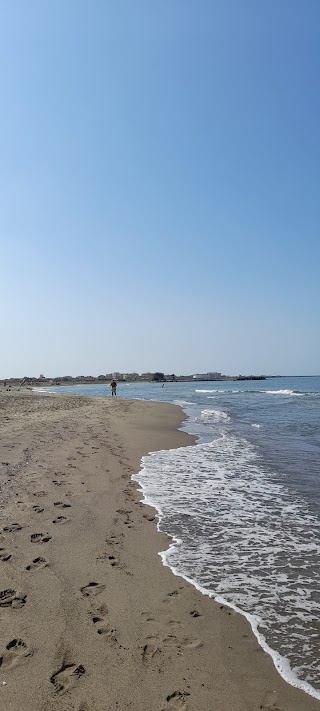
281	663
215	390
213	416
253	391
246	540
283	392
182	403
254	424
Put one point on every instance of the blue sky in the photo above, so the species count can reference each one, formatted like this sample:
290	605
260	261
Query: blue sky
159	186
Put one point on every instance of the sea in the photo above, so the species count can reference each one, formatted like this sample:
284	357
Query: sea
242	505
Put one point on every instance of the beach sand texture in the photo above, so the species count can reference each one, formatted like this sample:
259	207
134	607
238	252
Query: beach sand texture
90	619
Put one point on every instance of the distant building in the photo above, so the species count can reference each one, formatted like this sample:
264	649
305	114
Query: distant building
206	376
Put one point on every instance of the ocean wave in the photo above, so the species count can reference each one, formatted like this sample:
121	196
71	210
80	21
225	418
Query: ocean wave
244	539
283	392
182	402
254	424
256	392
209	416
220	391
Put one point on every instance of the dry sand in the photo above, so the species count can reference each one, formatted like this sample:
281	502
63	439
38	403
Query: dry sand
89	618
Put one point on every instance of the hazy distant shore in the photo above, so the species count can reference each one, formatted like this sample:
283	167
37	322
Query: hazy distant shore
42	382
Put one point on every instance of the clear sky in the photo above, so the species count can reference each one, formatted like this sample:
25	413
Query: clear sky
159	186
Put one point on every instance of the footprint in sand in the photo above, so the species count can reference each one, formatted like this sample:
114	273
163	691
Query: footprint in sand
61	505
188	643
176	701
114	541
38	509
12	528
39	494
126	514
227	610
269	702
40	537
113	561
5	555
175	624
92	589
150	648
172	595
147	616
66	677
155	643
22	505
195	613
37	564
15	652
12	598
149	517
61	519
100	620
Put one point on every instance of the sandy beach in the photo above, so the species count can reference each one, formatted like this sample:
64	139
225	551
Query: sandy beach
90	619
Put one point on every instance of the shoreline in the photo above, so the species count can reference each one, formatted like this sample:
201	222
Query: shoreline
105	623
281	664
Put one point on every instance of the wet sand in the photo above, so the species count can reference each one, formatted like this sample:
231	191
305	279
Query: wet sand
89	618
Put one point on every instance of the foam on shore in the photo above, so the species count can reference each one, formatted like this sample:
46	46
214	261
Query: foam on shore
240	538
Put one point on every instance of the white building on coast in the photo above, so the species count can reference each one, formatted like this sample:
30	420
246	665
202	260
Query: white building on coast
207	376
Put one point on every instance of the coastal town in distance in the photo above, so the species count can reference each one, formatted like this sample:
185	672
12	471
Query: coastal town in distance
157	376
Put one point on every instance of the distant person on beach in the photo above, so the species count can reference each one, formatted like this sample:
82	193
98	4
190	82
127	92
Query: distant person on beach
113	386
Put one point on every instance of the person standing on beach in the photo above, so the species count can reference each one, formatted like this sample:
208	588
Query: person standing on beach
113	386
